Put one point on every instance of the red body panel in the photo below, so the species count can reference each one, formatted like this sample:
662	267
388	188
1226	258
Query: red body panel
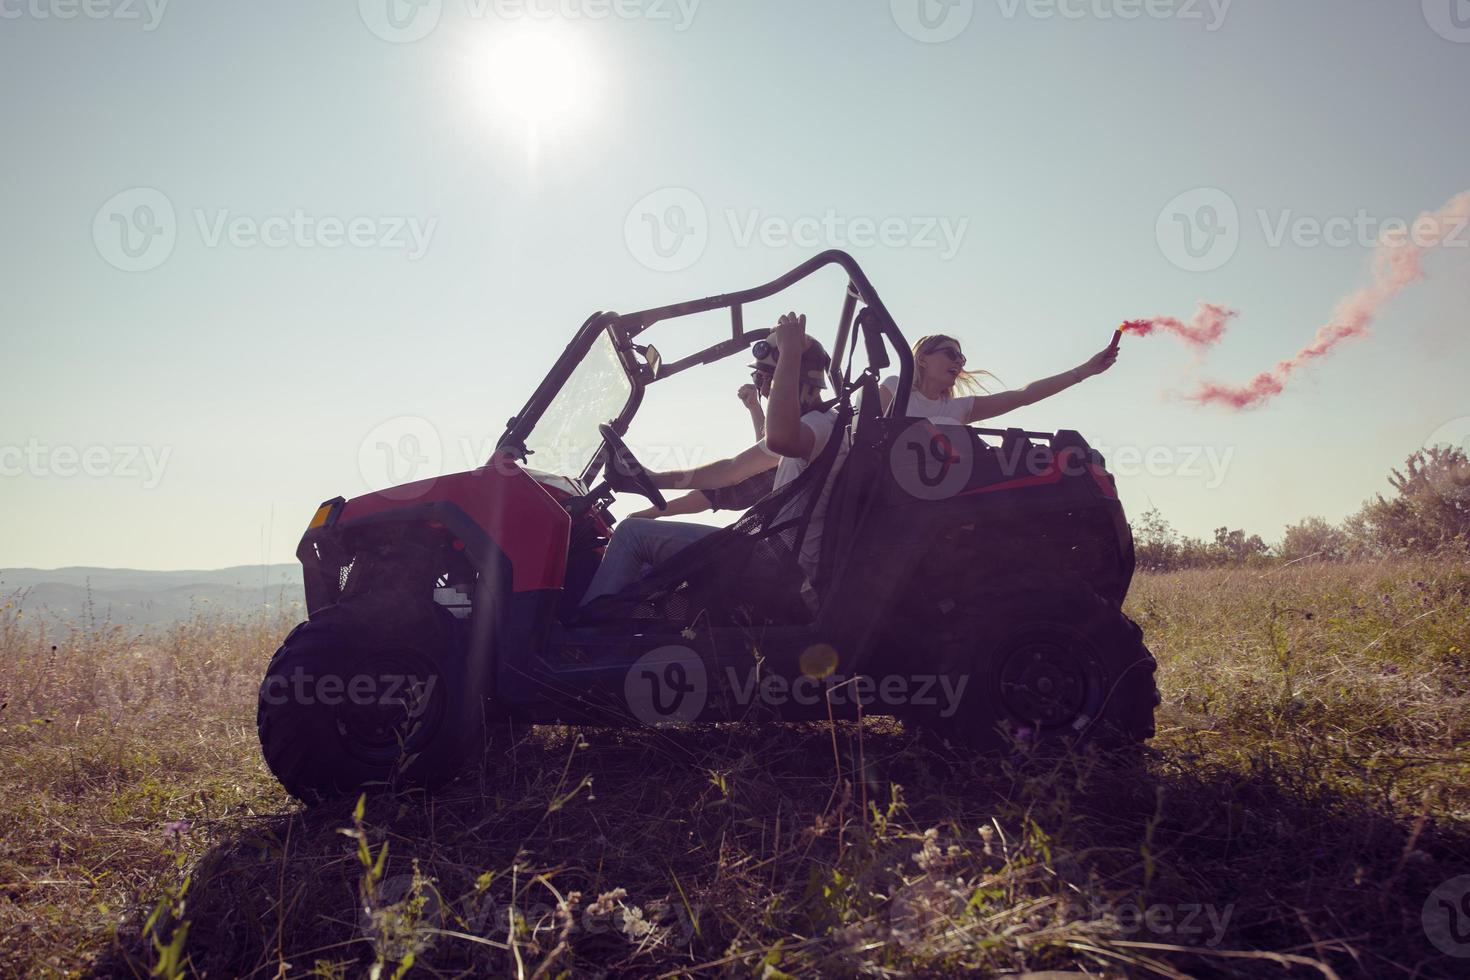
519	515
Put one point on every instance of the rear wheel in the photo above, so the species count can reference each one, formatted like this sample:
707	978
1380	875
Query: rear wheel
367	694
1050	662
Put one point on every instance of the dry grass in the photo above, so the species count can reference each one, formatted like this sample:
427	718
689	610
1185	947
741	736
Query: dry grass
1309	787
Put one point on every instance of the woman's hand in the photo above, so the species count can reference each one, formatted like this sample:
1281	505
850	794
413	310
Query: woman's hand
749	397
1098	363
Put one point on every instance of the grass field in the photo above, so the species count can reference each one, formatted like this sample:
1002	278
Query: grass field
1308	789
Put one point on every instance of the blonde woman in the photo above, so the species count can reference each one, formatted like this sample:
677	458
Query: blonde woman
939	372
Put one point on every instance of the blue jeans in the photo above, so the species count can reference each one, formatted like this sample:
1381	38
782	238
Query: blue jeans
638	544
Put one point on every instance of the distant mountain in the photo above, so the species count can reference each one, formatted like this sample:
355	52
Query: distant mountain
139	597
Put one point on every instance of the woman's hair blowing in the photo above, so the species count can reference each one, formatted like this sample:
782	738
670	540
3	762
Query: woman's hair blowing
968	382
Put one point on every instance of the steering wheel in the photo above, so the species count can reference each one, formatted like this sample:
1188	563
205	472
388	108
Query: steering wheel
625	473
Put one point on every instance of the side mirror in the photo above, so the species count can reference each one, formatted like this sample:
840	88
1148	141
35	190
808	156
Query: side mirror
652	359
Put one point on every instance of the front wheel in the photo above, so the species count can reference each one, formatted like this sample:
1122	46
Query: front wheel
367	694
1050	662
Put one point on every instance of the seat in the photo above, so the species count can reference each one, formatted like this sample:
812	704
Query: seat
745	573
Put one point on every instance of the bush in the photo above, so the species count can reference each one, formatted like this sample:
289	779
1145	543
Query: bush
1429	511
1314	538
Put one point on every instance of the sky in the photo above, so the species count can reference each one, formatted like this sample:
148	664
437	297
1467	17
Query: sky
259	255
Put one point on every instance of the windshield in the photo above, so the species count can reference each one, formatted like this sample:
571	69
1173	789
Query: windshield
566	438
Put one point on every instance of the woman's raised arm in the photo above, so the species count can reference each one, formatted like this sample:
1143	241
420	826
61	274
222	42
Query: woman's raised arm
990	406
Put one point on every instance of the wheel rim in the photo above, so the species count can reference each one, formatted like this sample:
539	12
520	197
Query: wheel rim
402	715
1049	681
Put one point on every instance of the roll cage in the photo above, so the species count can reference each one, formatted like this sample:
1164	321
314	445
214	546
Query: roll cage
644	367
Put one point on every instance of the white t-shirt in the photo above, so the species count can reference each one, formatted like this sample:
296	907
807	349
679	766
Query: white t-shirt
820	424
955	411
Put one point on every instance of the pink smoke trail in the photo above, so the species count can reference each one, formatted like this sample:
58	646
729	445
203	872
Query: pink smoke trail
1204	329
1397	263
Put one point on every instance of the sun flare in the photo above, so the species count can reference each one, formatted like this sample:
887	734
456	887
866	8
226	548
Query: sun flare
535	83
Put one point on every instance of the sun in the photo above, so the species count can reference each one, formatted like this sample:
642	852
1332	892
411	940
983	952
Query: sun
535	82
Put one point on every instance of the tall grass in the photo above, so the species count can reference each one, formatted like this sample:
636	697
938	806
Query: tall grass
1309	787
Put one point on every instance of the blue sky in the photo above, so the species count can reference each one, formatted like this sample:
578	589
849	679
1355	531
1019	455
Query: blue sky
365	234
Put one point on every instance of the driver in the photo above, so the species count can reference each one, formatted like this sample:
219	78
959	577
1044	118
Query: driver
796	430
748	492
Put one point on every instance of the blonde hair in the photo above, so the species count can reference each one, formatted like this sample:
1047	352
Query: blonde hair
968	382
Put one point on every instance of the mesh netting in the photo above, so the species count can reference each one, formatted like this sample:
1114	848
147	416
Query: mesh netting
745	573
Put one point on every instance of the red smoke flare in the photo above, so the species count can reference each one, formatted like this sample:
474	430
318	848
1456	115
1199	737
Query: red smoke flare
1204	329
1397	263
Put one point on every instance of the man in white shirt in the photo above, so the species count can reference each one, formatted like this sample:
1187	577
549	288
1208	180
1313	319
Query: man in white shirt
796	431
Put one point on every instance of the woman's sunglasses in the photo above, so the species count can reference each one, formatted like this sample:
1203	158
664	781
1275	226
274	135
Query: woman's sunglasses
950	353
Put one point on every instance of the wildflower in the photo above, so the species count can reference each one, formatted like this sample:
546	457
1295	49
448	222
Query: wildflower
175	829
607	901
633	925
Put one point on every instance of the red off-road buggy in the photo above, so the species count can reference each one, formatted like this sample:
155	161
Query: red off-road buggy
969	579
